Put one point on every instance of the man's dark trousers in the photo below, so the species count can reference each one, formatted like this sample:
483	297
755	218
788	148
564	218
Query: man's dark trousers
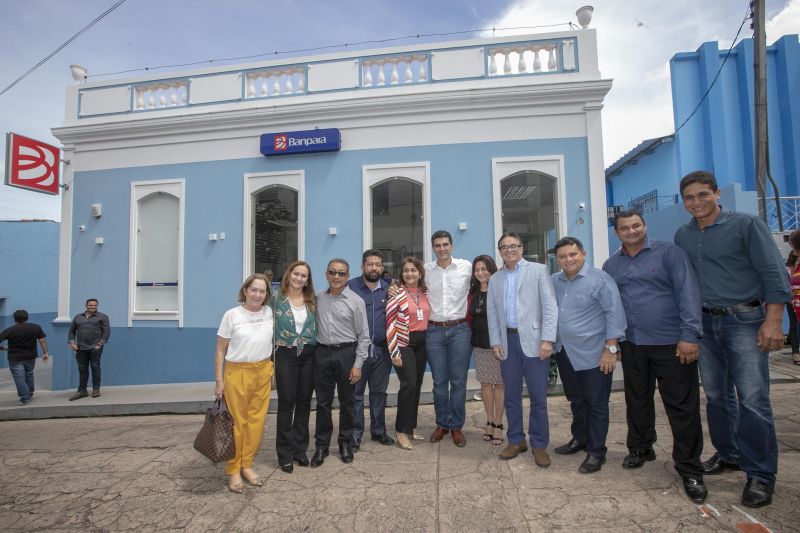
679	387
374	373
86	359
332	371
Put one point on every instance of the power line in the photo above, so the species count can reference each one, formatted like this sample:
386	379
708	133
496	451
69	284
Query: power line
716	76
63	45
328	47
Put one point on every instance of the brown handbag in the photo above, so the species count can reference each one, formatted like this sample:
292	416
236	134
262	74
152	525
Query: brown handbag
215	439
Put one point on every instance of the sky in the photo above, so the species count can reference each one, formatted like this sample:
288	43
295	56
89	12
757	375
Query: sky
636	39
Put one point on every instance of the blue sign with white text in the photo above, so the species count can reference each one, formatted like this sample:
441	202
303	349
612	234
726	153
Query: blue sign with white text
301	142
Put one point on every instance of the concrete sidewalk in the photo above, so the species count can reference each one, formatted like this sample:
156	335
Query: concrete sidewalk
187	398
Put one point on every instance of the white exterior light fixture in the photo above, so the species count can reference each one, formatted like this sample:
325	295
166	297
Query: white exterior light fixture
79	73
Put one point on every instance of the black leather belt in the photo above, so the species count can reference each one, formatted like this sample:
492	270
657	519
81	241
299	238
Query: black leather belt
515	330
337	346
731	309
447	323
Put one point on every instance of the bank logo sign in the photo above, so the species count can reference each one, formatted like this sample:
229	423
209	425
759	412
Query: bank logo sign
301	142
32	164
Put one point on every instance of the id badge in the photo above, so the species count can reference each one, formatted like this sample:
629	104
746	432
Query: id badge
419	314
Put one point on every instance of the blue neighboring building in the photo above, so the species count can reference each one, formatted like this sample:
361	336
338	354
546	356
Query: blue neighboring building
719	137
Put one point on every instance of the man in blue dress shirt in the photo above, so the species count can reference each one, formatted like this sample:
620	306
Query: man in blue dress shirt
662	306
591	320
744	288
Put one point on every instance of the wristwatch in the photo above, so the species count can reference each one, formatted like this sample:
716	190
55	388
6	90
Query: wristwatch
613	349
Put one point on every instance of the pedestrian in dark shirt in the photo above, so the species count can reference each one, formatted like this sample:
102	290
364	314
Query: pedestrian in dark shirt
87	336
22	338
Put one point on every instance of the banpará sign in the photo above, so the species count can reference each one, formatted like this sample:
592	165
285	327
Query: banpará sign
301	142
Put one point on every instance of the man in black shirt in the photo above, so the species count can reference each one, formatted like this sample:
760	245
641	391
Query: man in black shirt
22	338
87	335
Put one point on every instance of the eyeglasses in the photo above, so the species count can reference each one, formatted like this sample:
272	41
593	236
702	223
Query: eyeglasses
509	247
337	274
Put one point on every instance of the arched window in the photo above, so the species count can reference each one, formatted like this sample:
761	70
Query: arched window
397	220
275	229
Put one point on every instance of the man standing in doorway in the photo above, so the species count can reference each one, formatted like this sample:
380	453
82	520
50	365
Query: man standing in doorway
662	305
22	338
88	334
372	288
342	342
448	339
523	316
744	289
591	320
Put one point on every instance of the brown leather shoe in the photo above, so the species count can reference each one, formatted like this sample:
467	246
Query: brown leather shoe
438	434
458	438
513	450
540	457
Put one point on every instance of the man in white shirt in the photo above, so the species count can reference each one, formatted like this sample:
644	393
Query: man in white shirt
448	336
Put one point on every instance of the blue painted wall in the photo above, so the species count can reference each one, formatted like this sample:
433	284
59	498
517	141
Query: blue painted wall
652	171
28	273
461	191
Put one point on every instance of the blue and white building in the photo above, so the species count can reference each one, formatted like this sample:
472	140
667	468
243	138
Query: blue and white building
171	202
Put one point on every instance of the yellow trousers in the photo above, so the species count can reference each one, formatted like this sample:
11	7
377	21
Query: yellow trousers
247	387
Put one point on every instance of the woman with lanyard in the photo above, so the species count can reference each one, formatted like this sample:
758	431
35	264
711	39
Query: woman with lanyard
406	322
295	310
487	366
243	371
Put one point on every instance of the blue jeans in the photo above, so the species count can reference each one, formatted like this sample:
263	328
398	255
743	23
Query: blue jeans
735	375
22	372
536	372
588	392
449	350
374	373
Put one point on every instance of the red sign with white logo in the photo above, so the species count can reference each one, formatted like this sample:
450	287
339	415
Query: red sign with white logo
281	142
32	164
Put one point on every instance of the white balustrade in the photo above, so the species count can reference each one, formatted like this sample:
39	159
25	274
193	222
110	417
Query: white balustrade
414	69
158	95
276	82
526	59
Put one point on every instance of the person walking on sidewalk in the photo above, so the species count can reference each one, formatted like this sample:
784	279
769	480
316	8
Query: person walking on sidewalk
662	305
243	370
523	317
88	334
744	290
22	338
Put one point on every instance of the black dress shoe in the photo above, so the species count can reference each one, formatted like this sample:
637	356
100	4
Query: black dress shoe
757	493
301	460
319	457
384	439
591	464
345	453
695	489
717	465
355	445
287	468
636	459
571	447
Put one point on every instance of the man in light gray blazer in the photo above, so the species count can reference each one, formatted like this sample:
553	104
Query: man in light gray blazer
523	314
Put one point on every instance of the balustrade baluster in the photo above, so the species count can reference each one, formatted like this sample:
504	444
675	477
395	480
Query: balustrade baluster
422	75
301	80
251	86
276	86
381	73
507	62
289	87
537	62
521	66
492	62
409	75
395	76
551	62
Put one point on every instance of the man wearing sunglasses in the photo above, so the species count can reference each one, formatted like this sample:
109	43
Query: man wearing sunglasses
342	343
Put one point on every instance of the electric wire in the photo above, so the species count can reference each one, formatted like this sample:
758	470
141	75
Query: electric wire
63	45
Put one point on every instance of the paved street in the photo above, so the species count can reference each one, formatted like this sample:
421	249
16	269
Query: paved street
141	473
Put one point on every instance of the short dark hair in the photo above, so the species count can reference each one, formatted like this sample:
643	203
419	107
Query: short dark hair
512	234
441	234
628	213
568	241
705	177
338	260
20	315
91	300
371	253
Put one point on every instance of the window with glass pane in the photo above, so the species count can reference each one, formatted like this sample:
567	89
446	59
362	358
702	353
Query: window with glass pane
397	222
274	229
157	253
529	208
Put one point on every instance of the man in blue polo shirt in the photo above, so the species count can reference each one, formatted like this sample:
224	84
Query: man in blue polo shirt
744	289
372	288
662	305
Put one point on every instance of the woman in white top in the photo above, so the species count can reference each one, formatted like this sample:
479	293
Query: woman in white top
243	370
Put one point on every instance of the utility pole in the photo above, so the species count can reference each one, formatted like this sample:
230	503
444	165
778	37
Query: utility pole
760	100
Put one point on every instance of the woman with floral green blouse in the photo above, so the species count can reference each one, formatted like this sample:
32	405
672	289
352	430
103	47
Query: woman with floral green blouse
294	308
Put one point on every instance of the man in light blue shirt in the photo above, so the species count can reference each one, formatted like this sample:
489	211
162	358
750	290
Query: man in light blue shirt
591	320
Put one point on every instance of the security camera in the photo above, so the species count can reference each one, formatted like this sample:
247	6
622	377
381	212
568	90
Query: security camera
581	205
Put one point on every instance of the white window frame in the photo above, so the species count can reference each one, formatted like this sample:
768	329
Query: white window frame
372	175
254	182
140	189
552	165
